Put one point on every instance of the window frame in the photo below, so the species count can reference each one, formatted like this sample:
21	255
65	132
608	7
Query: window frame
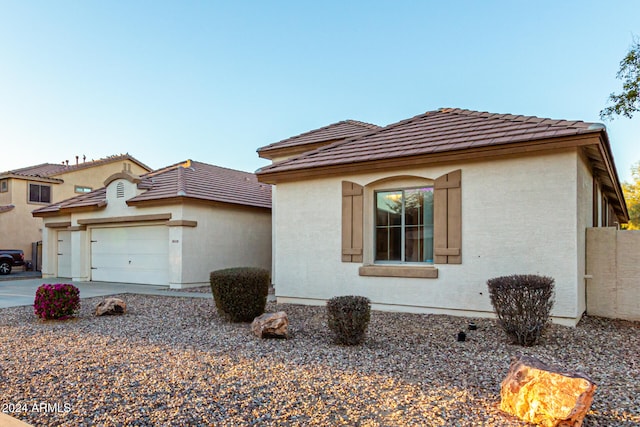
80	189
4	185
403	227
40	187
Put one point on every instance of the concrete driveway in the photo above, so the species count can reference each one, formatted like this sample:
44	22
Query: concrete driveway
20	292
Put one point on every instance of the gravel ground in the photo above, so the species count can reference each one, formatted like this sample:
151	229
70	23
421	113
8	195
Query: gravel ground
172	361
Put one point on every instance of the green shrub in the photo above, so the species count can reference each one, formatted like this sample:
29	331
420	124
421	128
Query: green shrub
523	304
348	318
240	294
59	301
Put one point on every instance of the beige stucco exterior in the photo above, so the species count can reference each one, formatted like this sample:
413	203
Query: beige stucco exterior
19	229
521	214
202	237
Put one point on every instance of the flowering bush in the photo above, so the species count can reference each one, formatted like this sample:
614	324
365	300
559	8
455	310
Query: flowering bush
59	301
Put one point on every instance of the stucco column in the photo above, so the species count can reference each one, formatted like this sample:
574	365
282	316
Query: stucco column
176	238
273	235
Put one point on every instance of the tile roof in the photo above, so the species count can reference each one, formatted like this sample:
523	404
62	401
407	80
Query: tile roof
191	180
332	132
6	208
203	181
50	170
444	130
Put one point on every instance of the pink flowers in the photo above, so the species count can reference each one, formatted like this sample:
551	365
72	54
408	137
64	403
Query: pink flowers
59	301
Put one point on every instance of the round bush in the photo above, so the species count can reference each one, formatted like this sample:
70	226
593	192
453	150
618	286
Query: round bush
348	317
59	301
523	304
240	294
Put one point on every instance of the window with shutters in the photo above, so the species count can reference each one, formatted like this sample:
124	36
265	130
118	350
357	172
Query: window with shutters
415	224
404	225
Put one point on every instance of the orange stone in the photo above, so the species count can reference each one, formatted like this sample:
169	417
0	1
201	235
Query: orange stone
546	395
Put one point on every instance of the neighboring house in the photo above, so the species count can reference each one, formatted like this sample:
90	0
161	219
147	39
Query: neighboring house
171	227
418	215
23	190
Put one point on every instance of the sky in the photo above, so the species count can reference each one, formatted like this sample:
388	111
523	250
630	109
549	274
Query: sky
212	81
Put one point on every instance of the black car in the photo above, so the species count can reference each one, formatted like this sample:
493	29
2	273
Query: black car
10	258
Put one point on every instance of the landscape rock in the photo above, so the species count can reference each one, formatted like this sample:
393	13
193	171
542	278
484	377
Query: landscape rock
111	306
271	325
546	395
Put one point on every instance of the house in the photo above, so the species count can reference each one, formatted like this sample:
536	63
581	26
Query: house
23	190
418	215
172	226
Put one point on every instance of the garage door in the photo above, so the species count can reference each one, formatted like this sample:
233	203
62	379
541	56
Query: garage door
130	255
64	254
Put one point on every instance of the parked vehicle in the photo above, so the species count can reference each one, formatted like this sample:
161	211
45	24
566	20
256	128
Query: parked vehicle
10	258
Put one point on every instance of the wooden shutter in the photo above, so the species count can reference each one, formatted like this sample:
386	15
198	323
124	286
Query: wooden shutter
447	219
352	204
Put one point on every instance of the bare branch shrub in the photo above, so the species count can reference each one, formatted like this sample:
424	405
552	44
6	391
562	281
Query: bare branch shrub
523	304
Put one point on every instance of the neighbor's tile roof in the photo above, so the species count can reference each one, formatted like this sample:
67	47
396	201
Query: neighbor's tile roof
447	129
95	198
50	170
332	132
207	182
189	179
6	208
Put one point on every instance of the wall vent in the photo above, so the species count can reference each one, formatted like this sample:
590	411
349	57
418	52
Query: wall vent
120	190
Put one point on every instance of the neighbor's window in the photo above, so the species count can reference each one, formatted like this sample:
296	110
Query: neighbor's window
404	225
81	189
39	193
4	185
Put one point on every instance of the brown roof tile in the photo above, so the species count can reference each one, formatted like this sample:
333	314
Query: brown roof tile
438	131
6	208
332	132
191	180
50	170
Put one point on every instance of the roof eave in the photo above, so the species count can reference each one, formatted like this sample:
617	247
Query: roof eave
187	199
31	178
73	209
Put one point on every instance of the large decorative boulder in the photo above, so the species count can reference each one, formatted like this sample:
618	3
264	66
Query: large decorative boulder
111	306
271	325
546	395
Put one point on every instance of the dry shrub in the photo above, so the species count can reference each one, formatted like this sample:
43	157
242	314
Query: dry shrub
523	304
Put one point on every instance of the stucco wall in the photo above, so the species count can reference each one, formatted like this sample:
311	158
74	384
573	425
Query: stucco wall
584	219
18	228
93	177
613	263
224	238
518	217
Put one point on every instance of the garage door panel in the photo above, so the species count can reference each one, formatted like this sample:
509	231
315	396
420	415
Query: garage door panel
132	261
130	254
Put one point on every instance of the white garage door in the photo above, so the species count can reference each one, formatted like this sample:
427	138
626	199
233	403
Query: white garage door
130	255
64	254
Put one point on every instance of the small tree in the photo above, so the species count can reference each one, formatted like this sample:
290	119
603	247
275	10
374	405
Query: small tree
627	103
632	197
